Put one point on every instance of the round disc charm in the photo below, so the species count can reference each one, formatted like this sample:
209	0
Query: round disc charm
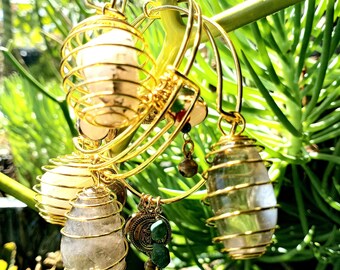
138	231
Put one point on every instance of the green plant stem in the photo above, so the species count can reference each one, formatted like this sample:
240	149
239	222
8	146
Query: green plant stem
327	174
297	25
271	103
230	19
250	11
288	256
316	186
299	200
17	190
326	45
307	32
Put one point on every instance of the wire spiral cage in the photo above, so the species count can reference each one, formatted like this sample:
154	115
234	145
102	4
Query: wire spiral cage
241	196
92	230
62	180
106	70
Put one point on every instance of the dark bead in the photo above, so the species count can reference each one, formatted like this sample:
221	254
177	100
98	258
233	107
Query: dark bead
159	230
186	128
188	167
160	255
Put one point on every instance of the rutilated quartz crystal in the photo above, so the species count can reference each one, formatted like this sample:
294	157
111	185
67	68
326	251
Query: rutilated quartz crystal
92	236
242	199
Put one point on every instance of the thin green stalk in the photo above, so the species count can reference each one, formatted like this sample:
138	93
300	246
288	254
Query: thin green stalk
331	158
193	254
290	255
271	103
306	37
279	26
61	27
26	75
331	119
327	38
316	185
40	88
64	107
313	116
297	26
336	38
324	208
247	265
46	42
299	200
17	190
328	134
264	54
327	174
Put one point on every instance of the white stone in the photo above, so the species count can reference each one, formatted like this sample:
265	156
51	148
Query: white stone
108	64
61	184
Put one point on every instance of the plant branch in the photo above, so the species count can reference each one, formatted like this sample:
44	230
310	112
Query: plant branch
230	19
271	103
17	190
250	11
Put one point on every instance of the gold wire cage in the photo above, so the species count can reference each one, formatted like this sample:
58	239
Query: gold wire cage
106	70
238	186
242	196
64	177
92	237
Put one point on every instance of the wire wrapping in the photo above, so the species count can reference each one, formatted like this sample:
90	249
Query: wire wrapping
106	71
241	195
62	180
94	224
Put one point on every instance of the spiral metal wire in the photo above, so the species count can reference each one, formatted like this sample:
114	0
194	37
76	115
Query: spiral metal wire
93	228
242	197
62	180
157	100
106	71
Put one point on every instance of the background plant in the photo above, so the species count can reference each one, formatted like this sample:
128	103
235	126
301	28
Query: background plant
291	103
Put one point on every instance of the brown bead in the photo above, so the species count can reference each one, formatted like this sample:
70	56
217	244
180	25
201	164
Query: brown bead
188	167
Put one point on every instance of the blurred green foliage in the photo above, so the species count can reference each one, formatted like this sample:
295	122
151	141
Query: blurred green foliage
291	104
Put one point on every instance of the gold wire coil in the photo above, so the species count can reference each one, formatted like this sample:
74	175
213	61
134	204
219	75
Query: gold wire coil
93	225
159	133
106	71
62	180
242	197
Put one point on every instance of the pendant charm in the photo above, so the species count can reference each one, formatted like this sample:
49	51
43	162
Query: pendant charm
149	232
188	167
242	197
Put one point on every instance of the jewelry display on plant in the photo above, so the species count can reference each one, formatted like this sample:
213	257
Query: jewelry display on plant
128	105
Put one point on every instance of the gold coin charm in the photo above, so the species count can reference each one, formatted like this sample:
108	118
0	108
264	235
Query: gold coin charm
149	232
138	231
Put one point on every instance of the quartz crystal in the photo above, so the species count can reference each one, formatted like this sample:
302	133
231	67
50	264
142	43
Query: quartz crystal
92	236
110	68
243	229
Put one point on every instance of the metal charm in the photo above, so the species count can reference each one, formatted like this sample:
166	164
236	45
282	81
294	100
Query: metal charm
138	227
188	167
149	232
